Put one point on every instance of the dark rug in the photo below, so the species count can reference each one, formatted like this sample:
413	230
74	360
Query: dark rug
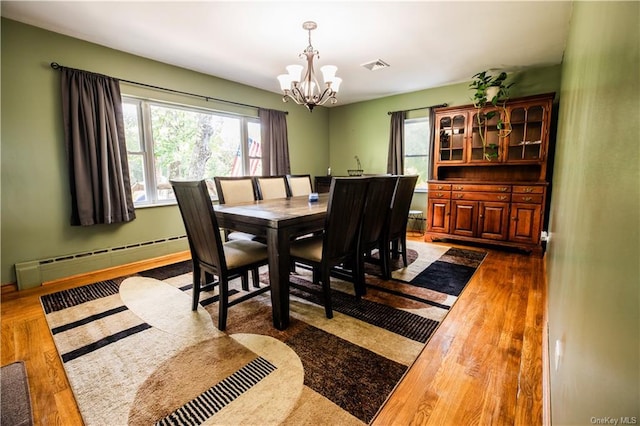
134	352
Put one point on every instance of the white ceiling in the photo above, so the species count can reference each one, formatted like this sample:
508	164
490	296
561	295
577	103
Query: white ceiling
427	43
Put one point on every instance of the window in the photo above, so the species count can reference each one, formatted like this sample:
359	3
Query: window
416	147
166	141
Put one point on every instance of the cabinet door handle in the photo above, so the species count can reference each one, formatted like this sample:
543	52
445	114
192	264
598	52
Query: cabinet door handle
527	198
458	196
458	188
502	197
528	189
440	187
503	189
440	194
480	216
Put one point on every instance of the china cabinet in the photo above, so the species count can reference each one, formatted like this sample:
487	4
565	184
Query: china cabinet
489	175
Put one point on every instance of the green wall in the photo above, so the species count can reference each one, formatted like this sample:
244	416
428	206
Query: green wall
34	193
362	128
594	251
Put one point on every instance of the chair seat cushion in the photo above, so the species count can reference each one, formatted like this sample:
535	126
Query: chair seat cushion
243	252
308	248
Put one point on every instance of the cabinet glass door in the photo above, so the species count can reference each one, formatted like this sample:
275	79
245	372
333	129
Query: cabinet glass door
485	135
451	138
525	139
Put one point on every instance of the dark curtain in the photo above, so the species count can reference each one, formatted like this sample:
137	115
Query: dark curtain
96	149
432	140
275	143
395	159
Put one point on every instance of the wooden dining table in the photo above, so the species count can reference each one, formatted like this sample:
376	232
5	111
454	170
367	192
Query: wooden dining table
278	221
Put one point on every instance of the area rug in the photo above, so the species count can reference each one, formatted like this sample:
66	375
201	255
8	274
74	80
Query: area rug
135	353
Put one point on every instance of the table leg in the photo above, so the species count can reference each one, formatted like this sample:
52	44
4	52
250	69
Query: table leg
279	259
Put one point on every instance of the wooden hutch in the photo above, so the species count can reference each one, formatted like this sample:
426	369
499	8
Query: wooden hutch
493	192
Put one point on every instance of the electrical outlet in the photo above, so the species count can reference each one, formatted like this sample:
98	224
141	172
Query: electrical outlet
544	236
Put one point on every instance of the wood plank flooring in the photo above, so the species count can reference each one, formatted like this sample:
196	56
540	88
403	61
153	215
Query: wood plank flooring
482	366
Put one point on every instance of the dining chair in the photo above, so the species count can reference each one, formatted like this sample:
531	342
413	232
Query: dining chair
299	185
394	236
270	187
235	190
210	255
338	242
375	215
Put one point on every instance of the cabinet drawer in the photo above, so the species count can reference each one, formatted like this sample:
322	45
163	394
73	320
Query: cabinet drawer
439	187
442	195
528	189
481	188
524	198
481	196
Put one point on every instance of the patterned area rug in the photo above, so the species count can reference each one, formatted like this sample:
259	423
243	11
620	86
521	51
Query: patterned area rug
136	354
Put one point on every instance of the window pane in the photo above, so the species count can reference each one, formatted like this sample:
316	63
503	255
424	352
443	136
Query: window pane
255	149
416	143
416	136
136	175
131	127
192	145
417	166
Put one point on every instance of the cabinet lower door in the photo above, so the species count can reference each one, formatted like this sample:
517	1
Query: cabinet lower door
464	218
525	223
493	220
439	214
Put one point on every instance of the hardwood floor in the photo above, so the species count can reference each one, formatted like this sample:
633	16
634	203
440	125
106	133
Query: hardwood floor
482	366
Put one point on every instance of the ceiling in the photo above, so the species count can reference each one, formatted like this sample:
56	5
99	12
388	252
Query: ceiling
427	43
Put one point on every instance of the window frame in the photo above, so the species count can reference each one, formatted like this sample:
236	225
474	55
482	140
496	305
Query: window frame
147	143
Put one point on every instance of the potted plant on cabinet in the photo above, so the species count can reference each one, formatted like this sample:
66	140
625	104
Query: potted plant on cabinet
490	91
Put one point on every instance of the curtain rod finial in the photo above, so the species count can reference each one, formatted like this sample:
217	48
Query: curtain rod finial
55	65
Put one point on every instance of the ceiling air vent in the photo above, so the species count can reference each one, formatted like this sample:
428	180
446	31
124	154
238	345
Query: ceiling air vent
378	64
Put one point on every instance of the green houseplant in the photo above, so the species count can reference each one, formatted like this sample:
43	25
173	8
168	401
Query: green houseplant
490	91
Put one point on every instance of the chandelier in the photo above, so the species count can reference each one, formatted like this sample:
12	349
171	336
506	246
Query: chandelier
306	90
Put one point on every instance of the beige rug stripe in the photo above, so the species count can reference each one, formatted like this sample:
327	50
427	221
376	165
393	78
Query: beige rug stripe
66	316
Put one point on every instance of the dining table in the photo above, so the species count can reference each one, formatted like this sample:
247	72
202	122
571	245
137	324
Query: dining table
277	221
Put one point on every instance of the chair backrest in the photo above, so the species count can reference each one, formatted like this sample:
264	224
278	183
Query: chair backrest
299	185
401	204
270	187
377	209
203	233
344	212
234	190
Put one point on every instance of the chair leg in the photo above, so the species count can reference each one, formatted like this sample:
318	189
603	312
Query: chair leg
358	275
326	290
255	273
223	304
395	251
385	261
197	277
245	280
404	248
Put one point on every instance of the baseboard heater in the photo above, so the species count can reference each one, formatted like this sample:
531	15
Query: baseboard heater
34	273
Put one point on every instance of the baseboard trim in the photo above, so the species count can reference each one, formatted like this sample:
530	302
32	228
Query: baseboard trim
105	274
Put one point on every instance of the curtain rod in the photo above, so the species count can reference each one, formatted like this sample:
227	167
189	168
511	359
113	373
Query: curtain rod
57	66
415	109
